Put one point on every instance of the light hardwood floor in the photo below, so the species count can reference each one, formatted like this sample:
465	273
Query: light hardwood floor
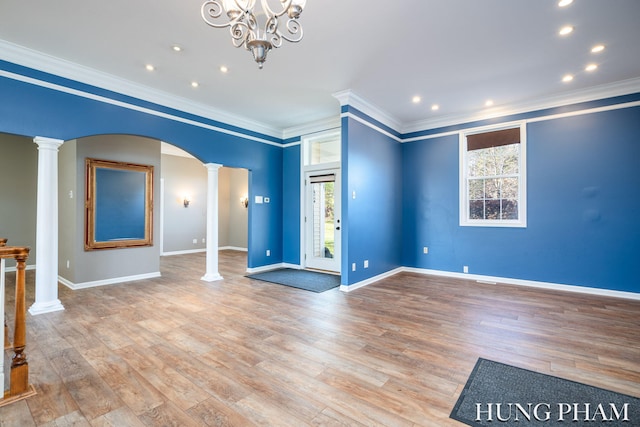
176	351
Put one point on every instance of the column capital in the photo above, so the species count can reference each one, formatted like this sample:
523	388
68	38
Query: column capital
212	166
48	143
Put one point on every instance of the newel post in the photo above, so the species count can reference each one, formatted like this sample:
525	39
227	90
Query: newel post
19	379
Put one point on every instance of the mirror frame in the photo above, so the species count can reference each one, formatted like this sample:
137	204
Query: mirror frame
90	243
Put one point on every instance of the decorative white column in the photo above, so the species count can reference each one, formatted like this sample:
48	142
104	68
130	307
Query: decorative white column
47	228
212	273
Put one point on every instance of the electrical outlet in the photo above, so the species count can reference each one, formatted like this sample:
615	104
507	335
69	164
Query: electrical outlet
68	263
353	267
268	252
366	263
465	269
425	250
195	241
203	240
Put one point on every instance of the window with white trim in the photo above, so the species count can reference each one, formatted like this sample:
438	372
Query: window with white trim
493	176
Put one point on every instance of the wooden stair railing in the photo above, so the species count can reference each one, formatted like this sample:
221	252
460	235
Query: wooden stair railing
7	343
19	387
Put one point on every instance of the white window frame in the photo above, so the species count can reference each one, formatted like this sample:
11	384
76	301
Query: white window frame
465	221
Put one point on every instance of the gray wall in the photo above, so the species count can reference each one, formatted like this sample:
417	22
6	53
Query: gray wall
69	218
18	175
90	266
18	189
234	217
187	176
184	176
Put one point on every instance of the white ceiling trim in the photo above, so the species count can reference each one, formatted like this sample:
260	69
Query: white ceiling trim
350	98
624	87
66	69
313	127
371	125
42	62
122	104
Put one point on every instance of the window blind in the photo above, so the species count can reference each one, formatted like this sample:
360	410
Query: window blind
495	138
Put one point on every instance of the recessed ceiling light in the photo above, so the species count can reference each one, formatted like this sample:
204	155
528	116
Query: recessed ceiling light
597	48
176	48
567	78
149	67
435	107
591	67
223	69
195	84
489	103
568	29
564	3
416	99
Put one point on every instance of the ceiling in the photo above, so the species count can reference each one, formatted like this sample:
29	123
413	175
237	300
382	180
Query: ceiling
454	53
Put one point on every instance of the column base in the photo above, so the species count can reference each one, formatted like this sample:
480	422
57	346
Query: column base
45	307
211	277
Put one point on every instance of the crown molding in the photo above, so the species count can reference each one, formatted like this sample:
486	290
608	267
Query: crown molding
312	127
624	87
49	64
349	97
59	67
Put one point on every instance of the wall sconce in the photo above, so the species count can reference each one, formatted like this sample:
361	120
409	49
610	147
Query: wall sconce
244	201
186	201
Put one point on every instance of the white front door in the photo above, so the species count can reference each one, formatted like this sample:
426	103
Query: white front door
322	220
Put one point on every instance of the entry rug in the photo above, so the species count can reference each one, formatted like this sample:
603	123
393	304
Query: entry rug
301	279
502	395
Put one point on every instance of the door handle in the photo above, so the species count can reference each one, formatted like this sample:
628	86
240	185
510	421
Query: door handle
338	228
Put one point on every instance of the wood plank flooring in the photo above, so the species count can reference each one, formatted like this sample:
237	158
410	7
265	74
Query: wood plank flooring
176	351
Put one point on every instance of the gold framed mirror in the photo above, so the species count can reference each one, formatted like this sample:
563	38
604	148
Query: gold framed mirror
118	205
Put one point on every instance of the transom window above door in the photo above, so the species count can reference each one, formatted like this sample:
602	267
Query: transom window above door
322	148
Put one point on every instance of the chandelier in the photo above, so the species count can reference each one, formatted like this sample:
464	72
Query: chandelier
257	31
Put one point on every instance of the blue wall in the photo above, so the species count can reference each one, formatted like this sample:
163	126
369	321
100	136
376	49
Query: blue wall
291	205
582	186
372	222
32	110
583	203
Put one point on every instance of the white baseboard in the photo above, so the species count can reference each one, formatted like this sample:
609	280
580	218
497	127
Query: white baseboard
349	288
264	268
112	281
291	266
195	251
270	267
232	248
189	251
497	281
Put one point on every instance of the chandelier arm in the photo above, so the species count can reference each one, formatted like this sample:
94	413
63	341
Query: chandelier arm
270	13
295	29
240	33
212	10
